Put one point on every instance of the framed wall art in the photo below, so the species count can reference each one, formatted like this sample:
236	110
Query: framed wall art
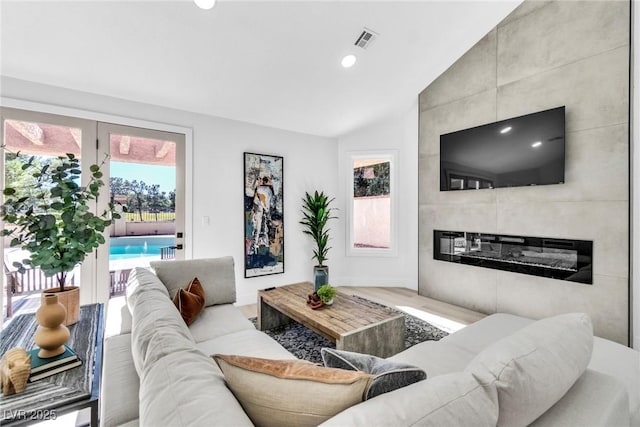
263	215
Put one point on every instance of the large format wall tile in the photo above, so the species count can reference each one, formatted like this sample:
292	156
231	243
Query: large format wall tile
539	297
559	34
596	169
463	285
460	217
548	54
606	223
472	111
473	73
594	90
429	187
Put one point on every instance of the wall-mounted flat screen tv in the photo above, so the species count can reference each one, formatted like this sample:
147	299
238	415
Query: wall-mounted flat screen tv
521	151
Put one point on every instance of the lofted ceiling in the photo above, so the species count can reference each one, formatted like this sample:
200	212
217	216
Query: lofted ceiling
273	63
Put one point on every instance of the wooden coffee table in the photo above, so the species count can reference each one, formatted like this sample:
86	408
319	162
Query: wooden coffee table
352	323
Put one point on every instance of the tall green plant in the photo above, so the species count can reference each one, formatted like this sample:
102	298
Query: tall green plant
316	214
53	220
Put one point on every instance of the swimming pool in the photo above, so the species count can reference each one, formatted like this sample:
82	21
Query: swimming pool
138	246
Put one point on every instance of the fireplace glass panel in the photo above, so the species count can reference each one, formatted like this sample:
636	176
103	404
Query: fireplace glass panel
555	258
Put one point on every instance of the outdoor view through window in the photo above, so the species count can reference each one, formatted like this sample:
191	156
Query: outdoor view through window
371	203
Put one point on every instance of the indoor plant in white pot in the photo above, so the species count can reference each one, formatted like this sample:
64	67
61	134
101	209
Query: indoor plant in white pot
316	213
51	218
326	293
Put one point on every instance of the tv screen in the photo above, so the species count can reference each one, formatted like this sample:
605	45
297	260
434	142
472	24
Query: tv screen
521	151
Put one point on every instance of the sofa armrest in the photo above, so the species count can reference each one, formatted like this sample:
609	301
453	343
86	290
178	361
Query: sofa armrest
120	383
595	399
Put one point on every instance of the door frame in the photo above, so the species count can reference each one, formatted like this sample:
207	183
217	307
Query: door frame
32	107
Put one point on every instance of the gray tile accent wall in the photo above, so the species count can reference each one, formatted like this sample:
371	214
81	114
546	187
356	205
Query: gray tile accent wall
543	55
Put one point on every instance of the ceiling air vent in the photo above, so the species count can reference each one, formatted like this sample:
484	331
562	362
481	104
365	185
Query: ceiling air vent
366	38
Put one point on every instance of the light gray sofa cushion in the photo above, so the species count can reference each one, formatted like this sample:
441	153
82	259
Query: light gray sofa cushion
142	280
249	342
479	335
435	357
185	388
534	367
447	400
596	399
118	321
119	388
622	363
215	274
153	315
218	320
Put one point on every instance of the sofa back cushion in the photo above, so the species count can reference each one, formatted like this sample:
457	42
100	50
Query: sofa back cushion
142	280
445	400
185	388
154	317
216	275
535	366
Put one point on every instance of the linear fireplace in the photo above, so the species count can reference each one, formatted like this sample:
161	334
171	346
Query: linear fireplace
539	256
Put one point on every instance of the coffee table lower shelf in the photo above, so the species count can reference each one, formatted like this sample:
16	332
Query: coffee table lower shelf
352	323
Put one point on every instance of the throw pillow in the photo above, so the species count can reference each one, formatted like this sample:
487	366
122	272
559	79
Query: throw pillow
535	366
190	300
294	393
387	375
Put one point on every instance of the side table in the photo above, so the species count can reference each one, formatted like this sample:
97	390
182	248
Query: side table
67	391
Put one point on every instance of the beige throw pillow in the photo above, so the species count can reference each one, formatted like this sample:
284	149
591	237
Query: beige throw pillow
294	393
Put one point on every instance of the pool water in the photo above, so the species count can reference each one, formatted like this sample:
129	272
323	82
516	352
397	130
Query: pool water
138	246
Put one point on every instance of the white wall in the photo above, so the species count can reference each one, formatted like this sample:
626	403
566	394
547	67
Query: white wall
635	149
399	133
216	172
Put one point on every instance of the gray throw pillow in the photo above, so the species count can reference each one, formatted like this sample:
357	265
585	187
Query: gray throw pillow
388	375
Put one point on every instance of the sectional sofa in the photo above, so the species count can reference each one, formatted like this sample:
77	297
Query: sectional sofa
503	370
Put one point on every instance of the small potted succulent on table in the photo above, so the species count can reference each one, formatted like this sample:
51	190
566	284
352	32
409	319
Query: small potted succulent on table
326	293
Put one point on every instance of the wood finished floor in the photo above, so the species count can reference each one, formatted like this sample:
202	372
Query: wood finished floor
403	299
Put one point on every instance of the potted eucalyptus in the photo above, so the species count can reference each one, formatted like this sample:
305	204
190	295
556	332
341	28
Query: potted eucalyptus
316	213
49	215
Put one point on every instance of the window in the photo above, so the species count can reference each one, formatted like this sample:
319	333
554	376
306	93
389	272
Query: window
371	208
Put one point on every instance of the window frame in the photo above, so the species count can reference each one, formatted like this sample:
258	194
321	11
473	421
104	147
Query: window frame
392	250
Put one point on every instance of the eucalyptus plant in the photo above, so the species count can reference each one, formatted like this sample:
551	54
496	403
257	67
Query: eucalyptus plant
50	215
316	214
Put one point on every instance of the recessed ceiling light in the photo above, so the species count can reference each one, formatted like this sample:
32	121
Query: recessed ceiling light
505	130
536	144
348	61
205	4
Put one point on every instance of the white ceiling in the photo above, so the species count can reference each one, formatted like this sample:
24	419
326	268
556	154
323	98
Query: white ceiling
271	63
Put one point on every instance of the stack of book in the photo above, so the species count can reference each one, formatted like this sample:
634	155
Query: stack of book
45	367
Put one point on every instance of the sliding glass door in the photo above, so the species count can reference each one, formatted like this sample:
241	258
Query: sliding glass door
145	178
144	173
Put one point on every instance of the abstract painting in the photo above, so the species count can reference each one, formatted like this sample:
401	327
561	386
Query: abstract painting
263	215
